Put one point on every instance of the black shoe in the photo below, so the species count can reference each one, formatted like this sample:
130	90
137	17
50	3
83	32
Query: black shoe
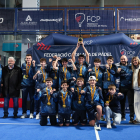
15	116
5	116
123	119
131	119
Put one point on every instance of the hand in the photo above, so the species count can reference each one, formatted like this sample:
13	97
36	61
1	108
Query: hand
33	62
70	60
38	72
74	78
118	70
38	90
1	85
54	89
55	57
82	91
50	60
106	104
78	44
82	43
119	94
89	70
51	91
107	66
72	89
100	88
58	58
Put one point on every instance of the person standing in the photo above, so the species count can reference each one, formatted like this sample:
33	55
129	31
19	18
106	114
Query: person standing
28	85
11	84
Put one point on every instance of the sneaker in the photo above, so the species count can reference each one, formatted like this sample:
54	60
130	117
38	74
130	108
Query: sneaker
124	119
5	116
102	118
108	125
97	126
114	124
31	116
24	115
37	116
131	119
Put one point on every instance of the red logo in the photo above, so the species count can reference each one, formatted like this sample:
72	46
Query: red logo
78	19
42	46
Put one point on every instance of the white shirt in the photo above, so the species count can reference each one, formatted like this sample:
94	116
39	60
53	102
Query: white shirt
135	79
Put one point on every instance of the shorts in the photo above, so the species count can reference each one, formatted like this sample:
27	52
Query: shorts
91	114
79	115
61	118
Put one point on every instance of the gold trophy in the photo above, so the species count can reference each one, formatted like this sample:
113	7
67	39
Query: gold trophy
80	39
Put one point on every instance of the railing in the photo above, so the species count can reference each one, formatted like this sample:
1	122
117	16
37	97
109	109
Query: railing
65	29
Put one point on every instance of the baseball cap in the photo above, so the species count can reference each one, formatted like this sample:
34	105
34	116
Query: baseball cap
92	78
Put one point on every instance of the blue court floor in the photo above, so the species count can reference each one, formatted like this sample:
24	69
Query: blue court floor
29	129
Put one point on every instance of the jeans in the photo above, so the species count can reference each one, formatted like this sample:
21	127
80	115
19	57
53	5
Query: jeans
25	92
130	94
37	106
6	105
111	114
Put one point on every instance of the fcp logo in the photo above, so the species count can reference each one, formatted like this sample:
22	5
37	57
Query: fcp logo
1	20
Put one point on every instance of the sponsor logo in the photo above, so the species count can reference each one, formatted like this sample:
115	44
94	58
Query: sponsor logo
2	102
1	20
129	54
56	20
129	19
78	18
88	42
28	21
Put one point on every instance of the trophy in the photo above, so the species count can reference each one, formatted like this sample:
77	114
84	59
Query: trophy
80	39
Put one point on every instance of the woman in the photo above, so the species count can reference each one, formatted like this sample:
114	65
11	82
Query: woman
136	86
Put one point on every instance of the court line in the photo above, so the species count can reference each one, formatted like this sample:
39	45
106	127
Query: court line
22	123
97	134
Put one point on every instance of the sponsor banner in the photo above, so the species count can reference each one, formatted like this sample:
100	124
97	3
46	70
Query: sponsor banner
7	20
91	19
129	19
40	20
100	51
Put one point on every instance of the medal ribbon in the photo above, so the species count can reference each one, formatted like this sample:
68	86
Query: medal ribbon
81	70
44	75
96	73
64	98
108	73
110	98
48	95
27	68
92	93
79	95
65	73
55	72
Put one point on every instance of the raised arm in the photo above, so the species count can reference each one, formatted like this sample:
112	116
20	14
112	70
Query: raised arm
86	52
74	67
74	52
55	63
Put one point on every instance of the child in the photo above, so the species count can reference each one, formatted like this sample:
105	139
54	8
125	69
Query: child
113	107
94	102
64	71
78	103
28	70
64	98
48	106
97	71
40	77
81	65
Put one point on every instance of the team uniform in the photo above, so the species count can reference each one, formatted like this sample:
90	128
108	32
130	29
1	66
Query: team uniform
82	71
64	105
114	108
126	87
28	86
78	106
0	77
48	106
92	103
98	73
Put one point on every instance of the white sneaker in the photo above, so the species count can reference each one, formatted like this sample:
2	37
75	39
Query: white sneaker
31	116
24	115
37	116
97	127
108	125
114	124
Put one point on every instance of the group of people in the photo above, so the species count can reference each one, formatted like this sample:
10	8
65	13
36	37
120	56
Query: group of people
62	90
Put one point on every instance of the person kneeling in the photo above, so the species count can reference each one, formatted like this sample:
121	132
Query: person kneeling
113	107
94	102
48	105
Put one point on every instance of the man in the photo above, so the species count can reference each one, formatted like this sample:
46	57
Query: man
28	70
125	73
11	83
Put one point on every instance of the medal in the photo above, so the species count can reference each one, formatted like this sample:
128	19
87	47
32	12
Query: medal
92	94
81	70
65	73
63	99
79	96
55	77
80	75
55	72
27	70
44	75
108	73
107	102
24	77
48	96
96	73
92	102
79	102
